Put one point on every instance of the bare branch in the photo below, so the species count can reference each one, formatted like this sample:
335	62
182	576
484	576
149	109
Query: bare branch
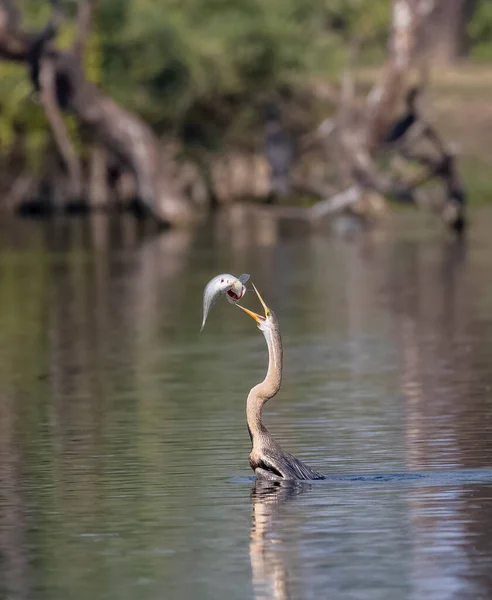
64	86
56	12
58	128
348	84
13	42
9	15
335	204
84	18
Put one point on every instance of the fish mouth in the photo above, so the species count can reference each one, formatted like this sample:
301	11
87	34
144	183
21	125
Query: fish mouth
235	296
232	295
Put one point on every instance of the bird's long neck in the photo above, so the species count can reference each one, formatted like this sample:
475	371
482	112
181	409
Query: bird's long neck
267	389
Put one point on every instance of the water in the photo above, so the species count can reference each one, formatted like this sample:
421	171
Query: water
123	448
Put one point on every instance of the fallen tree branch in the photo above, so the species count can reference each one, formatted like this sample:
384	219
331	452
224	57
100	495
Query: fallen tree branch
117	129
59	129
335	204
356	139
84	18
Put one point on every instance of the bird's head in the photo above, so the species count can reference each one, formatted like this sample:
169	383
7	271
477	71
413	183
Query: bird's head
266	324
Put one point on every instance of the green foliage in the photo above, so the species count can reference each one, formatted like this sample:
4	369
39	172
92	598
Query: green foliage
18	110
19	107
480	31
168	58
203	68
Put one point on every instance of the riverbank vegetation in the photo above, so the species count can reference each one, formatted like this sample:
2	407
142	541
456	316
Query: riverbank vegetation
184	105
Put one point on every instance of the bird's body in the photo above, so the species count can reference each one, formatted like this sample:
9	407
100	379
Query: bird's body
402	125
279	151
267	459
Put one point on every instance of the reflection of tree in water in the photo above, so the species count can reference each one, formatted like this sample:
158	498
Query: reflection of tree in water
23	296
270	558
69	310
451	542
13	524
433	292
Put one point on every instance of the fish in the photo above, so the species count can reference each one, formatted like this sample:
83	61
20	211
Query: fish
233	287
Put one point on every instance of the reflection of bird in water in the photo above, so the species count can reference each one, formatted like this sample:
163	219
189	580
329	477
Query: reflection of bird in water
455	207
267	552
267	459
278	150
400	127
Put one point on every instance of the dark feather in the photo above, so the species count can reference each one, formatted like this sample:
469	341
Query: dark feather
286	466
400	127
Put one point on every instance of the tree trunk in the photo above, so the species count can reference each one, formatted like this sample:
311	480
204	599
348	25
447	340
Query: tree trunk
127	136
445	36
117	129
60	133
98	178
407	16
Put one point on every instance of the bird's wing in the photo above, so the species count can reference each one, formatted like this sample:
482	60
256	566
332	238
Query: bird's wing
288	466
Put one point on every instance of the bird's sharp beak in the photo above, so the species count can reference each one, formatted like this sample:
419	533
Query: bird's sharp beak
265	307
253	315
258	318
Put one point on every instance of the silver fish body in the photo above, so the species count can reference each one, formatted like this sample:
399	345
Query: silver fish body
233	287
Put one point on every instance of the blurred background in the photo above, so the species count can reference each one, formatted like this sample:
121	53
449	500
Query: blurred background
338	152
182	107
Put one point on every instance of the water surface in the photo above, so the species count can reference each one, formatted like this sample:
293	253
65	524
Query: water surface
123	447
